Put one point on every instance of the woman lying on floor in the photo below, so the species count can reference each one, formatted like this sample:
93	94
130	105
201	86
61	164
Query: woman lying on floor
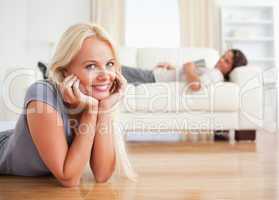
67	120
194	73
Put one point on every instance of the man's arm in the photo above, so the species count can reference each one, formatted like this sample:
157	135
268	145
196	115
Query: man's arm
191	76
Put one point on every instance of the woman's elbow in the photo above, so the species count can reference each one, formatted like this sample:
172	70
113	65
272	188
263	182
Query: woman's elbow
70	183
67	178
195	86
102	178
67	182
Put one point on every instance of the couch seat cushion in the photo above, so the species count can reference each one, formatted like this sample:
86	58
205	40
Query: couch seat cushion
175	97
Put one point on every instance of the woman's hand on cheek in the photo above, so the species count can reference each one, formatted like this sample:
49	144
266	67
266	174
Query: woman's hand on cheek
73	96
108	104
88	101
67	91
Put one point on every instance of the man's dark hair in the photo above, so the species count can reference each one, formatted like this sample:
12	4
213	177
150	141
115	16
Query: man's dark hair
239	60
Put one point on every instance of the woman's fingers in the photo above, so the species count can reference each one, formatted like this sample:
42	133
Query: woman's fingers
69	83
165	65
81	97
161	65
122	82
67	89
68	78
76	89
170	67
113	100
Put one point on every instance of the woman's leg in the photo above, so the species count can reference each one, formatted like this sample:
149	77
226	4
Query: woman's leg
137	76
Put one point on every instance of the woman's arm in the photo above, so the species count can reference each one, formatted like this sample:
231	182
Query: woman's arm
102	160
103	156
191	76
65	162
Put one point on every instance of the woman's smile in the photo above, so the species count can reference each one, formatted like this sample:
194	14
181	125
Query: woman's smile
101	87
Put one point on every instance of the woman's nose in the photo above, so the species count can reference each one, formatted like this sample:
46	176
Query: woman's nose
103	75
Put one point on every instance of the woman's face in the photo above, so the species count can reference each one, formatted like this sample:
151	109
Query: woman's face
225	63
95	66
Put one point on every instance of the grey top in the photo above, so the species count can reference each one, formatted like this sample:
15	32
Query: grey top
18	153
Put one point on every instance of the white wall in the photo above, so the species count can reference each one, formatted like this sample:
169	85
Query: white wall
47	20
29	28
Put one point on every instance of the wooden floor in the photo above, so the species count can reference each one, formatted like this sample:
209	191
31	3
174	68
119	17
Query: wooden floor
176	171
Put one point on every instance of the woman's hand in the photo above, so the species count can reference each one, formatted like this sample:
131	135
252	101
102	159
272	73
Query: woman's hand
189	66
73	95
108	104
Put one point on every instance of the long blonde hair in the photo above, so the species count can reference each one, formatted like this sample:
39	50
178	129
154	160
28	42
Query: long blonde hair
67	48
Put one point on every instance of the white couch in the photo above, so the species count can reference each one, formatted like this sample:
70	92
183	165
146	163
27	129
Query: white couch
235	105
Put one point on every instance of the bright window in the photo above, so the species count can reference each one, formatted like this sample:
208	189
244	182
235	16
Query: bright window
152	23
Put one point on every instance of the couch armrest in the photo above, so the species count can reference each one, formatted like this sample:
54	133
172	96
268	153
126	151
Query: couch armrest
13	87
250	81
242	75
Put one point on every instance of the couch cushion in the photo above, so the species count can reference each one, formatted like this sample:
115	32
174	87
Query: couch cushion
128	103
148	58
174	97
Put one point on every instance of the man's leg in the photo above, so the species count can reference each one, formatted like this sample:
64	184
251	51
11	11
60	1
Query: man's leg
137	76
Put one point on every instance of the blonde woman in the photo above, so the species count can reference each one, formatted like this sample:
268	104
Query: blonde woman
67	120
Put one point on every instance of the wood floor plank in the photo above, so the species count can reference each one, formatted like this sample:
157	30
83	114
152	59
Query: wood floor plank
200	171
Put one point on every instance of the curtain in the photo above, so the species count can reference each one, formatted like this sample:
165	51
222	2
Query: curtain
199	23
110	15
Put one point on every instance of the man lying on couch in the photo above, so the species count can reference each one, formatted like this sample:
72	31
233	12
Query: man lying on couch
192	72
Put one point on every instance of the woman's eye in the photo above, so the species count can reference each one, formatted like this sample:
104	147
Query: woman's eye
91	66
110	64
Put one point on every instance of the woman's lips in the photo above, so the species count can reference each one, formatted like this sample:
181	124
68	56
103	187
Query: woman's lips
101	88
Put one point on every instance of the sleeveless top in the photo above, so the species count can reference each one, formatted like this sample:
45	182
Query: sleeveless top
18	153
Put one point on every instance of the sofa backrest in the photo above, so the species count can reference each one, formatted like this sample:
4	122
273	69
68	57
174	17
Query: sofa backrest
148	58
128	56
